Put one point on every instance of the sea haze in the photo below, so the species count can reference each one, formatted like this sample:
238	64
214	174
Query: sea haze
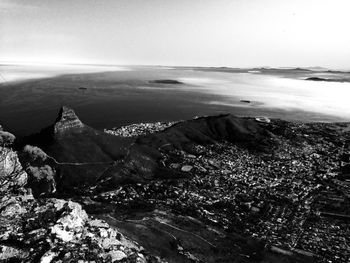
109	96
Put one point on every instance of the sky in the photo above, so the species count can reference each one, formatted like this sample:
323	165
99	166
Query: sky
232	33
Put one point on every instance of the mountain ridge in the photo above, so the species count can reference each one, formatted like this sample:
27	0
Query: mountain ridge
68	140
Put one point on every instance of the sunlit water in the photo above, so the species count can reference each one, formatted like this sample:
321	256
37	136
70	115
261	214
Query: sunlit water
20	72
331	98
114	96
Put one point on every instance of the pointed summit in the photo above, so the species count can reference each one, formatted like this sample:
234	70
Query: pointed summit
67	120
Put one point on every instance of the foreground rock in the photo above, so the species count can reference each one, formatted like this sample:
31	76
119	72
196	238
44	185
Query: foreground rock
12	175
53	230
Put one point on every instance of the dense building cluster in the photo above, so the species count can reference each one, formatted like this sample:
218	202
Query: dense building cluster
294	197
138	129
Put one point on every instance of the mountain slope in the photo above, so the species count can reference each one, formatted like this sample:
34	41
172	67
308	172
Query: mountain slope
79	153
143	161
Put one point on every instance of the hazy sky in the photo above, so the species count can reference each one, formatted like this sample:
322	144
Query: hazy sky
238	33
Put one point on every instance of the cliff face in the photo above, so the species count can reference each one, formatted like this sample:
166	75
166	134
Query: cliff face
66	121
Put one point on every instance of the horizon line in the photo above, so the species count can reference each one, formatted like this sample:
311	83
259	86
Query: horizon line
17	62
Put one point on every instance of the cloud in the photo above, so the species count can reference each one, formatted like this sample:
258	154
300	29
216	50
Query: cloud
17	6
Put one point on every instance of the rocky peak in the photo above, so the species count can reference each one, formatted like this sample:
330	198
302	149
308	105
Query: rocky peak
67	120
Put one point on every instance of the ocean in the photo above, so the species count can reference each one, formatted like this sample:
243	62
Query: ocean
111	96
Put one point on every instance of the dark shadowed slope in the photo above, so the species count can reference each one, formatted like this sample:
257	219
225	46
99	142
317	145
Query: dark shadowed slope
143	161
204	130
80	153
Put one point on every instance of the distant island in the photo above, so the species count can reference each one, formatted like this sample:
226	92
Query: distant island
328	80
318	79
166	81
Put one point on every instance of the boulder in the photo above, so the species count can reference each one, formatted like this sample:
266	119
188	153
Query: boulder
13	209
117	255
48	257
70	222
7	253
186	168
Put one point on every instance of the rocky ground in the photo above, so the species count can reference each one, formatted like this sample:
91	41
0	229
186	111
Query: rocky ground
50	229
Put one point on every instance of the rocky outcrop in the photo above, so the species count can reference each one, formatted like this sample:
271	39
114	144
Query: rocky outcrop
67	120
53	230
12	176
